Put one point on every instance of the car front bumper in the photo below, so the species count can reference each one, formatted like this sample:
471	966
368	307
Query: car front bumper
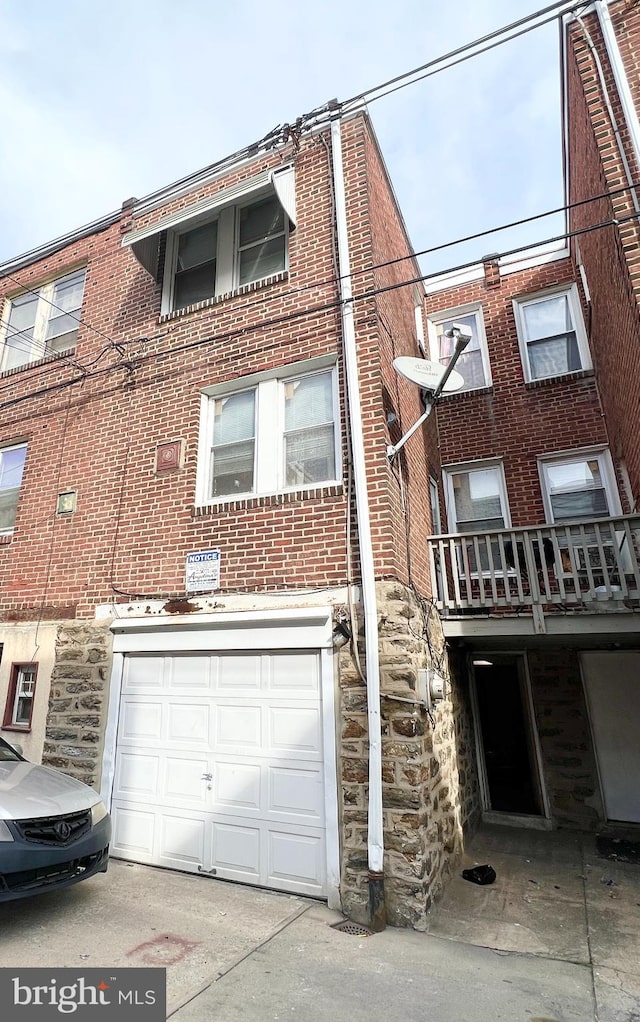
27	868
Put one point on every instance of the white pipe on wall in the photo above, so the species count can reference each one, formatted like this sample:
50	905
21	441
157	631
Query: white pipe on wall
375	836
620	76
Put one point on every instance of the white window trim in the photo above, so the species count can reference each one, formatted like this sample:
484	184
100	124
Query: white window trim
44	292
607	472
472	309
24	672
268	467
448	471
571	291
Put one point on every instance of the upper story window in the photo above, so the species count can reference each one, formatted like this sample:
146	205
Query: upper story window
19	706
551	334
242	244
476	497
11	468
579	485
277	431
43	321
473	363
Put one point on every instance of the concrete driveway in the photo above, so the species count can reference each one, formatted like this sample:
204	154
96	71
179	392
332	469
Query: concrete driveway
139	916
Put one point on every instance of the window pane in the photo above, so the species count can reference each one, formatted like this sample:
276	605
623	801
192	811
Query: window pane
310	456
260	220
67	294
8	507
233	452
262	260
19	349
577	490
234	418
469	364
478	503
308	401
547	318
64	313
551	358
198	246
195	285
12	466
232	469
23	312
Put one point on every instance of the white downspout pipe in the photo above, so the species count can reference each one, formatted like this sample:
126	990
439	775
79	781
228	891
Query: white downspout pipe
620	76
375	833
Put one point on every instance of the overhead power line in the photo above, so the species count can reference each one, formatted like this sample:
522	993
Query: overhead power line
140	360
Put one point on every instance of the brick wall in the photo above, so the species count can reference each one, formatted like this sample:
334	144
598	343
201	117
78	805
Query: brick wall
611	256
514	420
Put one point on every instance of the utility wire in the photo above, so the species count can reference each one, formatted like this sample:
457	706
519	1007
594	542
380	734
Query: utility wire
407	78
141	360
330	281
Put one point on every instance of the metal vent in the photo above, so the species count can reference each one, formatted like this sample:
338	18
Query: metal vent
354	929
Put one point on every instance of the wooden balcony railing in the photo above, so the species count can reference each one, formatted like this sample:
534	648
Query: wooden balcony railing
588	564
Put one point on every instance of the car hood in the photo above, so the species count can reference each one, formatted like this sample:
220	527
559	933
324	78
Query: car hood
28	791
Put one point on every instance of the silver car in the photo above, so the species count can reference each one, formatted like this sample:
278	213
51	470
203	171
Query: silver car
54	830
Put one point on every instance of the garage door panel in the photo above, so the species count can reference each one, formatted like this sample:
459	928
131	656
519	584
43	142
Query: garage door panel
253	721
236	848
237	785
294	672
238	726
189	672
183	779
295	729
296	792
239	672
296	861
183	840
141	719
144	673
189	722
133	831
137	775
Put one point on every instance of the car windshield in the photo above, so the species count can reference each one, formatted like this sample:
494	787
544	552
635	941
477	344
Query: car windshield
6	752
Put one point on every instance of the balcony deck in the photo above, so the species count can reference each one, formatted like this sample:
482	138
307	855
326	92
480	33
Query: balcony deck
574	569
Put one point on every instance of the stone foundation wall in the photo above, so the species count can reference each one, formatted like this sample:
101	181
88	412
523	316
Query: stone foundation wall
428	788
78	700
568	758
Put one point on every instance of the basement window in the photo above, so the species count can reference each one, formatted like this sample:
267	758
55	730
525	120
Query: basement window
22	687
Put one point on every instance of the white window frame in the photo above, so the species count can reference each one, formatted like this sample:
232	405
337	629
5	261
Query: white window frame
434	319
269	467
607	474
575	307
468	467
228	247
44	310
12	447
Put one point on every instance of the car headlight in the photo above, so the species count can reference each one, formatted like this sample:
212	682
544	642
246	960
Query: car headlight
98	812
5	833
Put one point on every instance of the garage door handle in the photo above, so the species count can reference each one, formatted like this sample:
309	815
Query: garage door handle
207	777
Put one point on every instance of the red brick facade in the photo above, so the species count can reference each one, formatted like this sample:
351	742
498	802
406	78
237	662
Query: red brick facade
93	421
513	420
611	256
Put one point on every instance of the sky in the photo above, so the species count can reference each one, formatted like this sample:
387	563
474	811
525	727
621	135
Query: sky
105	100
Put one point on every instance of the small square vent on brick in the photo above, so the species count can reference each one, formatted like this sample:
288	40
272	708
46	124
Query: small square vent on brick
168	456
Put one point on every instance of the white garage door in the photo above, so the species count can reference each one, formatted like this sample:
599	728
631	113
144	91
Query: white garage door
219	767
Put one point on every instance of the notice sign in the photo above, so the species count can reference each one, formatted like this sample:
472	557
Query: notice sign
203	571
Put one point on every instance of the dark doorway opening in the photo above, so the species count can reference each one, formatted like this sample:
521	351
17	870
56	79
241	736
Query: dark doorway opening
507	737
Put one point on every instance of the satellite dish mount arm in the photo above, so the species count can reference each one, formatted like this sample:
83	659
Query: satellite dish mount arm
462	336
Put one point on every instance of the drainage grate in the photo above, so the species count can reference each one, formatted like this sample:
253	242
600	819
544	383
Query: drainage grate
353	929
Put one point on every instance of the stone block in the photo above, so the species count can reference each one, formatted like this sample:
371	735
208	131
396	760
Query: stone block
409	727
355	770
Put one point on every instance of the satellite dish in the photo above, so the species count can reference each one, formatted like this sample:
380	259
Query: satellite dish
426	374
